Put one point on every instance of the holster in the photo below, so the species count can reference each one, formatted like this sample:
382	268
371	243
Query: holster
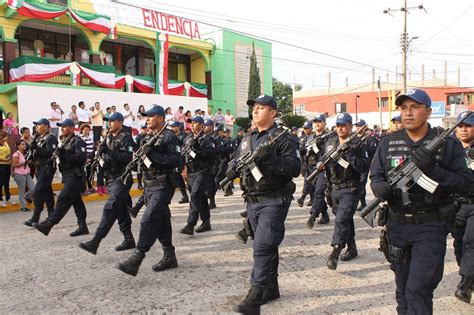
448	212
393	254
248	228
383	215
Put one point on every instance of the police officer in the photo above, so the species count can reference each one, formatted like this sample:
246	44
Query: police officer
344	184
308	157
159	177
268	199
72	158
319	205
138	140
465	216
371	144
199	162
396	123
115	154
216	136
176	127
416	232
42	147
240	135
230	147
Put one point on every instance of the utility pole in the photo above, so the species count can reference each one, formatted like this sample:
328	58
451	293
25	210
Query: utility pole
404	40
379	87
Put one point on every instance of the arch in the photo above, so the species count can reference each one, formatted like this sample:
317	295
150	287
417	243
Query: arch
153	48
206	58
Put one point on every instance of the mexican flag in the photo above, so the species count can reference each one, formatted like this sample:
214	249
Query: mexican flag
163	65
198	90
101	78
36	9
143	86
94	22
36	69
175	88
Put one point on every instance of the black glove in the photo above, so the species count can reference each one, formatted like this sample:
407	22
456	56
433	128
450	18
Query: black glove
231	173
34	145
262	152
319	142
146	149
424	159
382	190
195	145
102	149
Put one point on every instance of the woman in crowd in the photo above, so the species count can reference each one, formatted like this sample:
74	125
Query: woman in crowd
187	125
87	137
169	115
21	174
73	115
5	168
10	125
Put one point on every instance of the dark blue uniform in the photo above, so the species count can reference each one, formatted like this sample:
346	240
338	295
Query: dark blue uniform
268	200
42	148
72	158
371	143
180	181
309	161
416	233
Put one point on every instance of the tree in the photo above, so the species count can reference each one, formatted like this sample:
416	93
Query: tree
290	120
255	85
283	94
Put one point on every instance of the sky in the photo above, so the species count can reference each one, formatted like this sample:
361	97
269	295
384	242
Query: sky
305	33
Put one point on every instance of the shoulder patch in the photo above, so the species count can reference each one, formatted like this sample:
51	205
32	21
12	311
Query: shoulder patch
130	148
83	149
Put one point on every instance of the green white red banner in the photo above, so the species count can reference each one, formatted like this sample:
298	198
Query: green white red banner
163	65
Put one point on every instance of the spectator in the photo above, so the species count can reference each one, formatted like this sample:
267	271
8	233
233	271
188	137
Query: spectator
86	136
229	121
82	114
21	174
179	116
26	135
168	115
128	118
73	115
55	116
218	118
108	112
5	168
10	125
113	109
187	125
140	119
97	119
209	114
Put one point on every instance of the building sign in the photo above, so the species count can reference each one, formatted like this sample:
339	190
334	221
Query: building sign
170	24
438	109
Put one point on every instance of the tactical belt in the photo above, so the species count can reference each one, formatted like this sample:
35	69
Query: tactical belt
344	185
414	218
154	183
465	200
399	255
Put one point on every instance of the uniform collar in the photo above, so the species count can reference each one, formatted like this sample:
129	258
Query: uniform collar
269	130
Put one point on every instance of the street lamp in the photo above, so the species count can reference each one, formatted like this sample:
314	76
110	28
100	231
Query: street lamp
357	96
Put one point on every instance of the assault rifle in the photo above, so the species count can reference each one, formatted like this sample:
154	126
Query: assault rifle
140	155
248	161
96	161
54	159
30	157
334	155
311	145
407	174
187	150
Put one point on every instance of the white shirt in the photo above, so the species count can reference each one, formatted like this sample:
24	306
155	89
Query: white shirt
82	115
54	114
169	118
128	121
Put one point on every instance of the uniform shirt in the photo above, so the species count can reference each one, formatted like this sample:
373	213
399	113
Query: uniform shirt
165	154
49	142
205	151
73	153
120	152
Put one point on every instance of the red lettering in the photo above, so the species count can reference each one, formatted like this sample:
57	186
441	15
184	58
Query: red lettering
146	18
156	21
164	22
179	25
171	24
187	27
196	31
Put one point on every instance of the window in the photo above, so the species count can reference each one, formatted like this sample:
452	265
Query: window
299	109
384	102
341	107
456	99
123	57
179	67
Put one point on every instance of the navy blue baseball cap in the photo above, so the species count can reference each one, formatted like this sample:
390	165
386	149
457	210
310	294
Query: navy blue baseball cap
42	121
344	119
360	123
144	126
467	121
294	128
219	128
320	117
263	100
208	122
66	122
197	119
417	95
397	118
240	129
116	117
308	124
155	110
175	124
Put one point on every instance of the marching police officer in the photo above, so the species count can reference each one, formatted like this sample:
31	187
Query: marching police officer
371	145
416	231
319	205
268	198
216	136
115	154
199	151
230	147
72	157
159	178
396	123
42	147
465	215
344	183
307	155
176	127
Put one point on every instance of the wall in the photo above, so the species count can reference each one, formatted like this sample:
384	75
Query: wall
198	70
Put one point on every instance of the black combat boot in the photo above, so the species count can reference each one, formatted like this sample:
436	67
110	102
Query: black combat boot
300	201
271	293
242	236
185	198
212	202
169	260
188	230
92	245
128	242
136	208
228	191
244	214
334	257
44	227
464	290
205	226
251	303
363	204
34	219
351	251
81	230
310	202
324	219
310	222
131	265
50	212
